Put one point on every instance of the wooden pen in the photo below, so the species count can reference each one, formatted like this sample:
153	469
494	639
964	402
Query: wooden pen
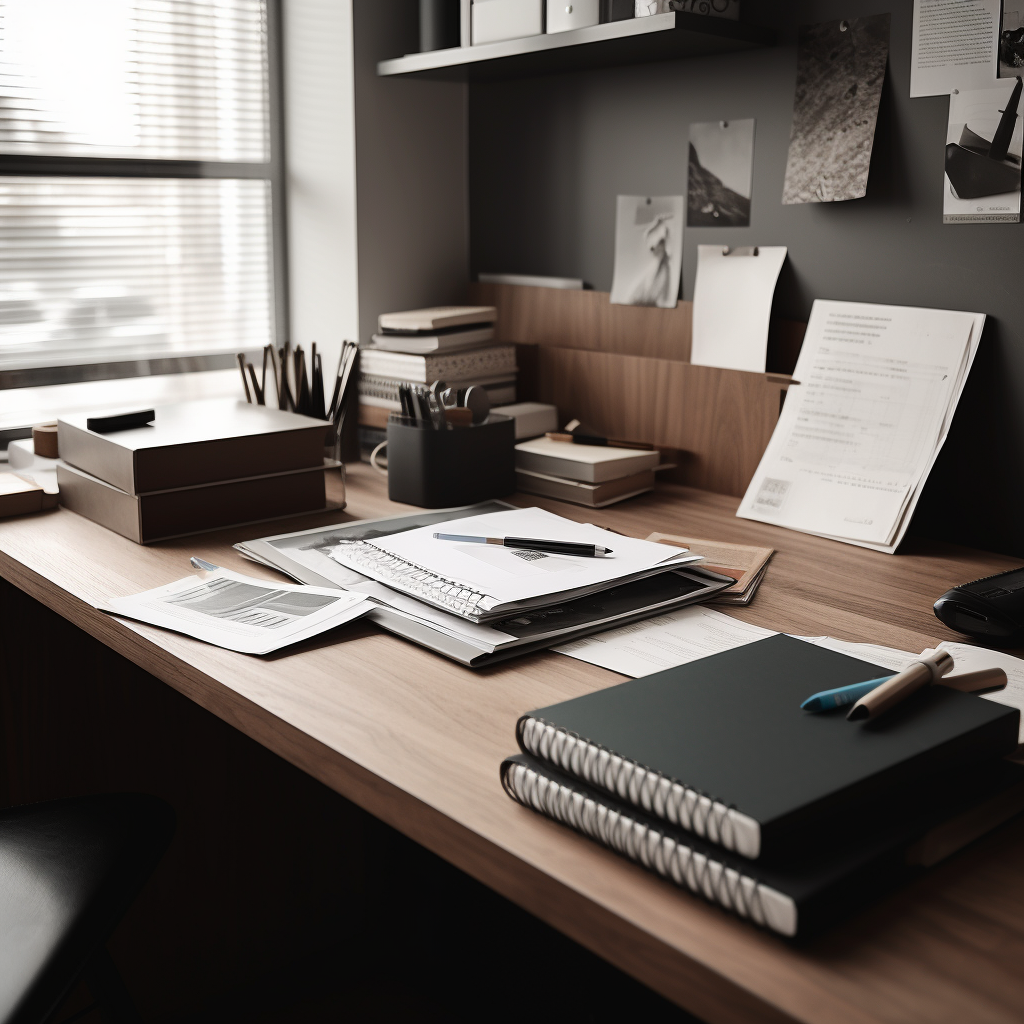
901	686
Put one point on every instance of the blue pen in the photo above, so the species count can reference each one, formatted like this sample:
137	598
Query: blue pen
826	700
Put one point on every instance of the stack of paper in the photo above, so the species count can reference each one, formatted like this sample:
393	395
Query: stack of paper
859	433
482	582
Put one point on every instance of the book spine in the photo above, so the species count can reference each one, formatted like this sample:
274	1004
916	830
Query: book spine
652	848
647	790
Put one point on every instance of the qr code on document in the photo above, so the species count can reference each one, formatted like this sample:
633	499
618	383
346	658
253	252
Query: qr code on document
771	495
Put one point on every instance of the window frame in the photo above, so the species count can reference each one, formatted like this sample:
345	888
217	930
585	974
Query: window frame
272	171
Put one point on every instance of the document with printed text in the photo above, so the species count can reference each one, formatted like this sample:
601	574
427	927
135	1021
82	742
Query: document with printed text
876	390
241	613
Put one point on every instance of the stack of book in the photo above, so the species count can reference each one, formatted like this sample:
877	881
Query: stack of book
193	466
711	775
454	344
583	474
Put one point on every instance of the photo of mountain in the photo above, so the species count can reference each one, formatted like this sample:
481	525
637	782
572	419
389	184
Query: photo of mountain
720	171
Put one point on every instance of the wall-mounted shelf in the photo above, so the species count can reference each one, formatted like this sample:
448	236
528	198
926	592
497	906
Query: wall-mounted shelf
634	41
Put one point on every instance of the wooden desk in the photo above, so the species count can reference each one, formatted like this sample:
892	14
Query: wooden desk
417	740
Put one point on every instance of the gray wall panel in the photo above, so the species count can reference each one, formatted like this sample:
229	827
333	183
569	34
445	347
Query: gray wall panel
548	156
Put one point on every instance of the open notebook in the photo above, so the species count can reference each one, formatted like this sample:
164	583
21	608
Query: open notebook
483	582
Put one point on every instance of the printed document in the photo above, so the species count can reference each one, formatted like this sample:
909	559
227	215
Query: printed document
955	46
664	642
732	304
875	389
241	613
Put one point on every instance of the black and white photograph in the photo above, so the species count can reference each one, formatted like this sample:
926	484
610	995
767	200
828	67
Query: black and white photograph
840	70
721	168
983	155
1011	39
648	251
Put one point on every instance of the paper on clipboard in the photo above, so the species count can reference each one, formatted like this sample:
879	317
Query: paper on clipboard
732	304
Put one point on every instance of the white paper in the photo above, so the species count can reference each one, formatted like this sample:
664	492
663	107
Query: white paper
664	642
241	613
979	110
889	657
955	46
973	659
509	575
857	436
732	304
648	251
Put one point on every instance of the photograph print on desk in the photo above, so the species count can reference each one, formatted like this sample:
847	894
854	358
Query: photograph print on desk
721	168
983	155
648	251
839	75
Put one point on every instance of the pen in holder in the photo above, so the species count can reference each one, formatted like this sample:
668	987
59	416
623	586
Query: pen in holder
457	466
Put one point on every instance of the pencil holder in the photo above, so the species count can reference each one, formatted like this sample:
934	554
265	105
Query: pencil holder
440	468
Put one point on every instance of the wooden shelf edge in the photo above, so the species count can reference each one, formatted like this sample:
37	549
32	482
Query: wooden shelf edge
635	40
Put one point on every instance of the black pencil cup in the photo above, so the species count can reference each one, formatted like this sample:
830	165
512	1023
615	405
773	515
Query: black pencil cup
442	468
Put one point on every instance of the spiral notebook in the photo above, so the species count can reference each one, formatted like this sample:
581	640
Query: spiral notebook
798	895
721	748
485	582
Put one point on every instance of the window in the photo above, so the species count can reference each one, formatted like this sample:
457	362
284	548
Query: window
139	186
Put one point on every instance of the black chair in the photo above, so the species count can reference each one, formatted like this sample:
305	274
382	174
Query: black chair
69	870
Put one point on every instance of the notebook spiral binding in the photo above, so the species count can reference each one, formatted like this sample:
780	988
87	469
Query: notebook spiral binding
414	579
655	793
687	868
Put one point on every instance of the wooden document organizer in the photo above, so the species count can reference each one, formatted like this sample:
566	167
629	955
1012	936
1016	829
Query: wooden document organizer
626	371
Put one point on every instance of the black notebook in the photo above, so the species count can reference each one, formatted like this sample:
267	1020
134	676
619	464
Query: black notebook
795	896
720	746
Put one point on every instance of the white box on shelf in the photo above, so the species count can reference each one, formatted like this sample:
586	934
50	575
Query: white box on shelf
566	15
497	20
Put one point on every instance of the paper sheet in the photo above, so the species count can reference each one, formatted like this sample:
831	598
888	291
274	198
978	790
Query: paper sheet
977	112
648	251
973	659
664	642
889	657
955	46
241	613
732	304
860	432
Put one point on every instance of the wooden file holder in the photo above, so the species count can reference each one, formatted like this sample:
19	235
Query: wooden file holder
626	371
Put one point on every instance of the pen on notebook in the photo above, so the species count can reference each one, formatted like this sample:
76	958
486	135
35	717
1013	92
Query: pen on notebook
898	688
984	680
554	547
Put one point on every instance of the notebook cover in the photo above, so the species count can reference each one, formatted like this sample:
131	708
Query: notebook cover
730	726
812	889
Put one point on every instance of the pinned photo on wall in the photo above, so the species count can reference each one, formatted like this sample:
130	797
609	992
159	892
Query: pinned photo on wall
721	169
983	155
648	251
1011	39
840	70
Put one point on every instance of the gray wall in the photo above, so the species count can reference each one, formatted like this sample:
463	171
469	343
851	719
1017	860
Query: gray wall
411	173
549	155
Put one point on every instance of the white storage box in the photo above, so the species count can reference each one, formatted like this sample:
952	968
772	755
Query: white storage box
496	20
565	15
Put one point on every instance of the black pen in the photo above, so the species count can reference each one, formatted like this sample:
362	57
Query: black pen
554	547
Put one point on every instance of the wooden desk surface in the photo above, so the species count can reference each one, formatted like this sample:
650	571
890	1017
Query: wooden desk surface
417	740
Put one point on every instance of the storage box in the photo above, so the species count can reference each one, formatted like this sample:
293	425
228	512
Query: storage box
496	20
566	15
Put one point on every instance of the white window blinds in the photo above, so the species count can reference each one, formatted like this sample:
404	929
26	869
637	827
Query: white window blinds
146	263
